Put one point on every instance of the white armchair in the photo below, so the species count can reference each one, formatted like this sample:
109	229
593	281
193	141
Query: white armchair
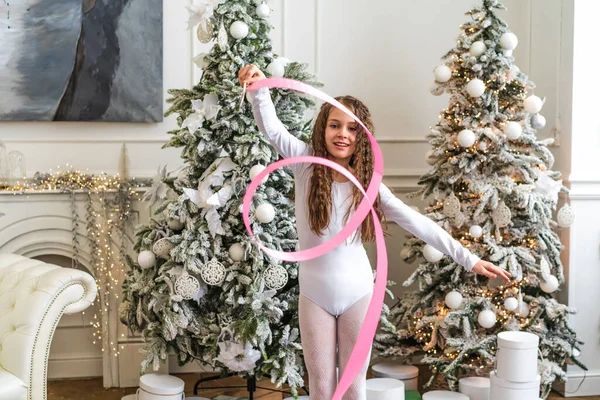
33	297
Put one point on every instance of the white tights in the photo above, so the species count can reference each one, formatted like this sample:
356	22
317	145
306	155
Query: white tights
322	334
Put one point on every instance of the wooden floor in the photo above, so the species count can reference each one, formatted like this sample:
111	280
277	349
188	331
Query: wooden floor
92	389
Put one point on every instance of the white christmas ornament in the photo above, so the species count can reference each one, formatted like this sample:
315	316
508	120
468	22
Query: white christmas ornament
477	48
509	41
453	300
263	10
538	121
442	73
431	254
475	87
549	285
466	138
429	158
513	130
576	353
475	231
451	205
187	286
175	224
501	215
238	357
276	277
255	170
436	90
482	146
236	252
213	272
486	318
276	69
146	259
162	248
565	216
265	213
239	30
524	310
511	304
533	104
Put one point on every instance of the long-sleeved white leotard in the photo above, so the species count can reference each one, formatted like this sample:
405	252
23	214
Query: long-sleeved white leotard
339	278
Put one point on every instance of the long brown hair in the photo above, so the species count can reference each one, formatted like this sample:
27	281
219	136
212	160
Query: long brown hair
361	165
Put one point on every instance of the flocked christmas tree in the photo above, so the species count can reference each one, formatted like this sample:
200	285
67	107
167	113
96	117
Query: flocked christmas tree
199	289
494	190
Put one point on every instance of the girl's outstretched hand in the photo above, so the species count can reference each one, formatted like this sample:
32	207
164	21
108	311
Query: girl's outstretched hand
249	74
490	270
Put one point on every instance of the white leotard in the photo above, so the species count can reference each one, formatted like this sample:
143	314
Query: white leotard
339	278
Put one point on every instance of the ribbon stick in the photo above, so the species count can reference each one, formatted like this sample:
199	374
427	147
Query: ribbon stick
364	342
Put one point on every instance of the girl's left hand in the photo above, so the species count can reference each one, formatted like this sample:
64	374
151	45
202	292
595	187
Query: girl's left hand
490	270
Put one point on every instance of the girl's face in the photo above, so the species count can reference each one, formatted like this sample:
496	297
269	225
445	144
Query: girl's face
340	136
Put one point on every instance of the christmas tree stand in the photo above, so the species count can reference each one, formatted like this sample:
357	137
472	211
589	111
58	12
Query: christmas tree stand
250	385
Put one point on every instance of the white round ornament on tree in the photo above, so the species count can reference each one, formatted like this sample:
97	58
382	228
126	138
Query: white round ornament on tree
239	29
263	10
187	286
276	277
477	48
276	69
146	259
442	73
475	87
533	104
513	130
466	138
453	299
451	205
255	170
538	121
213	272
436	90
549	285
175	224
511	303
509	41
265	213
565	216
237	252
576	353
431	254
487	319
502	215
429	158
162	248
476	231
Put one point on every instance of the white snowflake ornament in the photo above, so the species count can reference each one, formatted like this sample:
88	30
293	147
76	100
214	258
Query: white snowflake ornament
187	286
451	205
213	273
276	277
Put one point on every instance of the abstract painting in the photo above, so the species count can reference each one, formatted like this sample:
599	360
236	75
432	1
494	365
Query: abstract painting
81	60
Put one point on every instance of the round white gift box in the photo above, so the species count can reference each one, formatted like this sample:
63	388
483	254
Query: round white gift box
288	398
406	373
444	395
504	390
385	389
476	387
517	356
160	387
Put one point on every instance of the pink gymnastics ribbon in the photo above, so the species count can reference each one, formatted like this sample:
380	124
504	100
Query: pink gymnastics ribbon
364	342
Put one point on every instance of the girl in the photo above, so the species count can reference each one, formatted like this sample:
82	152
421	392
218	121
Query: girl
336	288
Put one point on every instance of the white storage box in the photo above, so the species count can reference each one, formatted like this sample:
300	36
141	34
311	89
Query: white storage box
501	389
385	389
409	374
476	387
517	356
291	398
160	387
444	395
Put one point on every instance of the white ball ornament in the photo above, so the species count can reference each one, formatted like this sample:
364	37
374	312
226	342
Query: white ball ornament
487	319
431	254
576	353
509	41
239	30
565	216
549	285
453	300
475	231
146	259
436	90
511	303
442	73
429	158
475	87
533	104
513	130
276	69
263	10
477	48
265	213
175	224
255	170
538	121
466	138
236	252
